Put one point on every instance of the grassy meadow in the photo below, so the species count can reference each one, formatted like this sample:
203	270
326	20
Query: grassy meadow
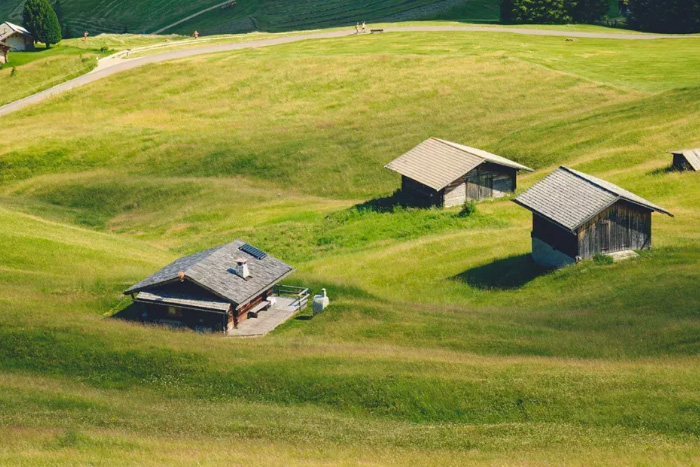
44	68
444	343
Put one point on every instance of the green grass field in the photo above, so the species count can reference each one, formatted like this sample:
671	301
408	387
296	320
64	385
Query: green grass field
444	344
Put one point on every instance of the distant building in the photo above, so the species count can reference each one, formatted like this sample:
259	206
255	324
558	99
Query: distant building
16	37
213	289
687	159
442	173
577	216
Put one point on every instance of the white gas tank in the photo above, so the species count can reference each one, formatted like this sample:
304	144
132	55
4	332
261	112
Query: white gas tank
320	302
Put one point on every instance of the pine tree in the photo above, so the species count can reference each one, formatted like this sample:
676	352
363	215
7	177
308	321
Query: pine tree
41	20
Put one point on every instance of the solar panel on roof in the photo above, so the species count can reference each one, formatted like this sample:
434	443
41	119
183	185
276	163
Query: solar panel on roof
251	250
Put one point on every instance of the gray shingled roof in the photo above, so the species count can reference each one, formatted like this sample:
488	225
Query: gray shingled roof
570	198
437	163
692	156
213	270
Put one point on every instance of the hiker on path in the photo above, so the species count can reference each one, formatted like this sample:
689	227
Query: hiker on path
196	34
364	25
357	28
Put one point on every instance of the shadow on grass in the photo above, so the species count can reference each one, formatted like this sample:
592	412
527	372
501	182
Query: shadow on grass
130	313
397	200
663	170
503	274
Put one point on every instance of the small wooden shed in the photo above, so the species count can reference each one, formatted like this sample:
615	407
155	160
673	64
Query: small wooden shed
16	37
577	216
687	159
442	173
213	289
4	51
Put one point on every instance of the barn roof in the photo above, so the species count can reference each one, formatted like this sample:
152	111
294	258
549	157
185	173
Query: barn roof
692	156
570	198
214	271
15	29
437	163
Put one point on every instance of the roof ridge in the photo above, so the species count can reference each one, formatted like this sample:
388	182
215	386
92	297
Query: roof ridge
577	174
641	201
457	146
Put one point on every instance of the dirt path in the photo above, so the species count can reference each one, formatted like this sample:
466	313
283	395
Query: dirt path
191	16
113	65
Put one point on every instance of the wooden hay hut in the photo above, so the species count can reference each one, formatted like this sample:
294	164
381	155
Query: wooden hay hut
213	289
687	159
4	51
577	216
442	173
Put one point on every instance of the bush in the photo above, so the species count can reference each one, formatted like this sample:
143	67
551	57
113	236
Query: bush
552	11
41	20
468	209
666	16
601	259
13	72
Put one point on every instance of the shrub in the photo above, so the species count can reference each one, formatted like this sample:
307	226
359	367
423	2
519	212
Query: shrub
13	72
468	209
666	16
41	20
552	11
600	259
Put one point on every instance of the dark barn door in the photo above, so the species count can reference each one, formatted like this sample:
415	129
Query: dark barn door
603	228
480	187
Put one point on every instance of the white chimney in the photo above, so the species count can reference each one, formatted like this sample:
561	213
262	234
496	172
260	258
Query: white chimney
242	268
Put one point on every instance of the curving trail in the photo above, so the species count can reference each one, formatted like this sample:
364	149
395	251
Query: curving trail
113	65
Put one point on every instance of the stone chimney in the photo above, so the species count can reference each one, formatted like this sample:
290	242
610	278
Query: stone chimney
242	268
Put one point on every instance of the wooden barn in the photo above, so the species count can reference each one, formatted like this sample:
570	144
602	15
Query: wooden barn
577	216
213	289
4	52
442	173
16	37
687	159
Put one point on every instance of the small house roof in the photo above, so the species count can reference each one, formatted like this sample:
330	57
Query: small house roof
214	270
437	163
14	29
570	198
692	156
171	298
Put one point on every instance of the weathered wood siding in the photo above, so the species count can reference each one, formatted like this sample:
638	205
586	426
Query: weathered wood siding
486	181
417	193
555	236
241	313
681	163
623	226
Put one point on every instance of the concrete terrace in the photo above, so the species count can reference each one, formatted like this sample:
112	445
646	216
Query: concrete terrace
267	320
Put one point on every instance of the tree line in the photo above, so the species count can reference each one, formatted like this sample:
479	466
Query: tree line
667	16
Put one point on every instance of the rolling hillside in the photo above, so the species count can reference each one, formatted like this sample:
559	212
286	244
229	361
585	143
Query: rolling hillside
444	344
134	16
